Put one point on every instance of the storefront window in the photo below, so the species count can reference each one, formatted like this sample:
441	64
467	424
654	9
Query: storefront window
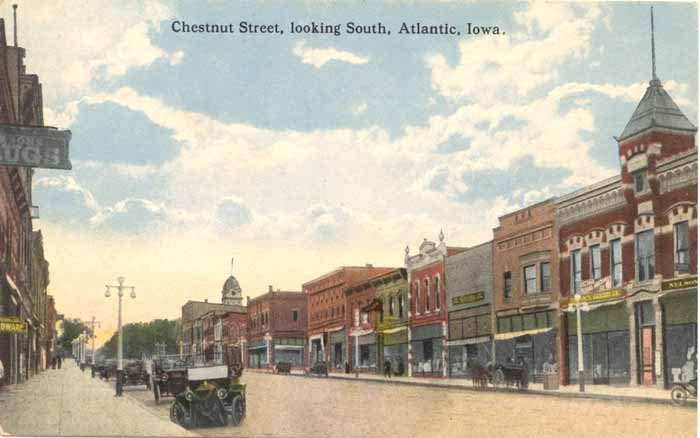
616	262
682	246
595	262
576	270
530	279
645	255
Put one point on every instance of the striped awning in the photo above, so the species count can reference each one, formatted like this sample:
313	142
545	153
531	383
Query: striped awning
511	335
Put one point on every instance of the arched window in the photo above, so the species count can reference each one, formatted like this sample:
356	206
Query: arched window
391	305
417	298
427	295
437	292
400	306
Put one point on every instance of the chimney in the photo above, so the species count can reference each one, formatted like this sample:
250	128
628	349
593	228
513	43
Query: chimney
368	265
206	300
269	288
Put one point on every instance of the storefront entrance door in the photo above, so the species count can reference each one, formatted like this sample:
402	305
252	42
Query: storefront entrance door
648	356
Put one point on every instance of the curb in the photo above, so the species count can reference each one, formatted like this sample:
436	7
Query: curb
557	394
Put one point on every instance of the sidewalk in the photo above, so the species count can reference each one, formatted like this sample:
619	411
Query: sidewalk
603	392
68	402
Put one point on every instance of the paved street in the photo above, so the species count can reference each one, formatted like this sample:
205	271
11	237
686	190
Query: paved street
67	402
296	406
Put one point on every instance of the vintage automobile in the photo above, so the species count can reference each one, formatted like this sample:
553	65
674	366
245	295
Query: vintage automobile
283	368
214	396
135	373
319	369
169	376
109	369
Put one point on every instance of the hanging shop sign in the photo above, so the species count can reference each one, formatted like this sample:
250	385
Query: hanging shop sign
594	297
469	298
12	324
679	284
34	146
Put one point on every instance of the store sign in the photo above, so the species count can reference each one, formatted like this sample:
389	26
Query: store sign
33	146
679	284
589	298
469	298
12	324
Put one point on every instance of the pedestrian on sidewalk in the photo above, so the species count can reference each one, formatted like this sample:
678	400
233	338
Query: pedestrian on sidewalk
59	361
53	363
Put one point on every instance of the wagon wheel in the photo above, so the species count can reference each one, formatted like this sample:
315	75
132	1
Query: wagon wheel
156	392
678	396
498	378
235	418
179	415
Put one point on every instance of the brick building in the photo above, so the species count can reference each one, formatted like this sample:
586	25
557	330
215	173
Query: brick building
526	287
629	249
277	329
469	291
365	311
427	351
327	334
19	352
198	332
233	336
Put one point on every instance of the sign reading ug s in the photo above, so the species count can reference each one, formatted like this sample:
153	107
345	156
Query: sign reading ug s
34	146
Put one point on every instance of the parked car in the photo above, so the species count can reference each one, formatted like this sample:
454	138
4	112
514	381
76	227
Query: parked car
135	373
319	369
169	376
109	369
214	396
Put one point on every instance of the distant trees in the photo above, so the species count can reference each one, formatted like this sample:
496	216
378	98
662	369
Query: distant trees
72	328
141	337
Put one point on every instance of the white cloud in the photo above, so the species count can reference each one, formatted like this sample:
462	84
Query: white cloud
319	57
361	108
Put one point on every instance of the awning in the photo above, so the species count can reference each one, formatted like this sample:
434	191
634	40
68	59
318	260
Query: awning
511	335
394	330
289	347
362	332
470	341
335	329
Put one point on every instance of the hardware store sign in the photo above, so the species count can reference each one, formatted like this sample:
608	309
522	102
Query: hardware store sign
469	298
34	146
12	325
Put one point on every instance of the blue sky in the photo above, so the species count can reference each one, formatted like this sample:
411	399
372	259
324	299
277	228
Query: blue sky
305	152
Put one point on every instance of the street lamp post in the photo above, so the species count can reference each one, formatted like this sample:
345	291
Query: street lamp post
92	335
579	338
120	293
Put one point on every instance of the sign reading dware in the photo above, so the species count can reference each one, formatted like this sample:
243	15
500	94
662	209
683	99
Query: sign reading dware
34	146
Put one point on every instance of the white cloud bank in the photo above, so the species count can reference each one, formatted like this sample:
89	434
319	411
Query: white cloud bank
319	57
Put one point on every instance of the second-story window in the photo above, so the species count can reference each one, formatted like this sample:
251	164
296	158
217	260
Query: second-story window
357	316
680	231
507	286
544	276
417	298
400	306
391	306
596	272
645	255
616	262
295	315
437	293
427	295
640	181
576	271
530	276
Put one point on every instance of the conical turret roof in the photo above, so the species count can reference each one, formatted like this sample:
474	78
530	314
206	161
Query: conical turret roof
656	110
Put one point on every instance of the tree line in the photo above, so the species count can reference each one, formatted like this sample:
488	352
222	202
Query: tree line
141	337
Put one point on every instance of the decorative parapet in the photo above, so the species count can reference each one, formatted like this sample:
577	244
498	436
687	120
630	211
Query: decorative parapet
677	177
589	201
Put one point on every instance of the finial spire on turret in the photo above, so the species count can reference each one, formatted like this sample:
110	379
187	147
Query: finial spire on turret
653	49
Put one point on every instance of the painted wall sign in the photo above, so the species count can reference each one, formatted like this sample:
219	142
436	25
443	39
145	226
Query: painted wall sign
10	324
589	298
468	298
679	284
32	146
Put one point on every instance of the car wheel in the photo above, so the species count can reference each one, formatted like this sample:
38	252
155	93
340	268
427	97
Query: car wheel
156	392
179	415
678	396
235	418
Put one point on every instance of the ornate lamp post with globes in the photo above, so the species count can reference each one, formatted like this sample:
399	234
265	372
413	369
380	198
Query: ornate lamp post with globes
120	292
